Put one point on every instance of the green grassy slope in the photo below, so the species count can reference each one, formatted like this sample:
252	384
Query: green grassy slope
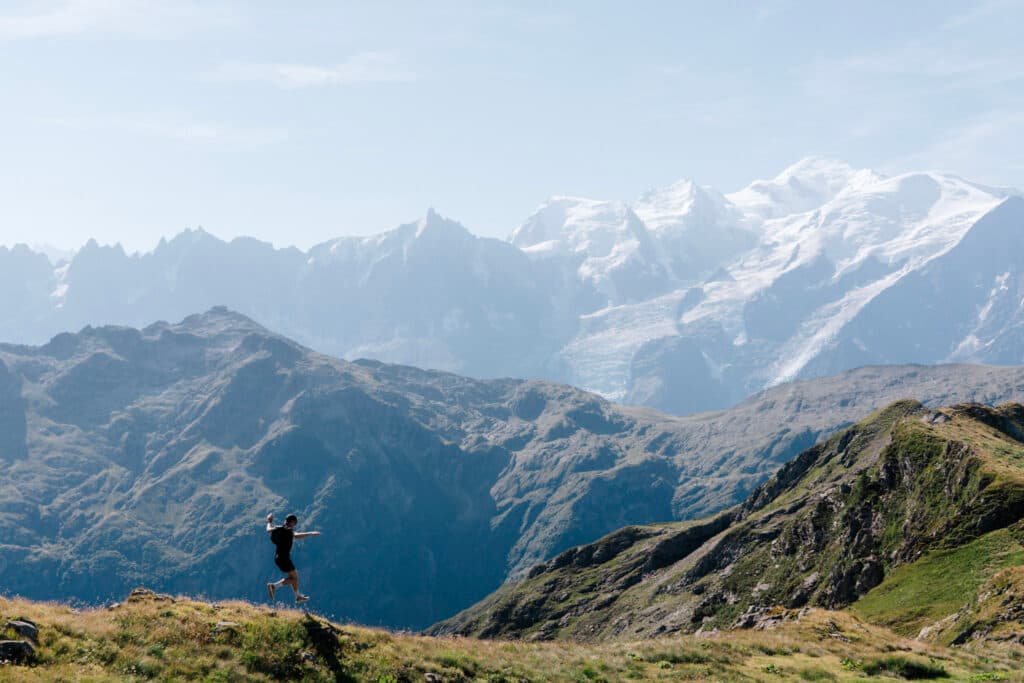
917	595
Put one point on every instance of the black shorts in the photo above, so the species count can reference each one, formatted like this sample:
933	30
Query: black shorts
284	563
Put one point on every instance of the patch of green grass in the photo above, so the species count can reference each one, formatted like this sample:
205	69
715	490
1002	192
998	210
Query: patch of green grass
904	667
817	675
98	651
142	669
224	676
918	594
588	673
273	647
680	656
453	660
1009	452
850	664
773	650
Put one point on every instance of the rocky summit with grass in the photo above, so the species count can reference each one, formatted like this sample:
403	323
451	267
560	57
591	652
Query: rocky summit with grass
912	519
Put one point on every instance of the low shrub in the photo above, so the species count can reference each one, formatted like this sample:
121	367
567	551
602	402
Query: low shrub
904	667
452	660
679	657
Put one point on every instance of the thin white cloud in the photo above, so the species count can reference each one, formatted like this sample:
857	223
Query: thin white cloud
769	9
977	12
934	63
673	70
363	67
979	148
921	67
901	83
137	18
174	127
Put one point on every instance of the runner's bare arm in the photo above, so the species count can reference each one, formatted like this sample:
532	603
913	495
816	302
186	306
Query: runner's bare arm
270	522
304	534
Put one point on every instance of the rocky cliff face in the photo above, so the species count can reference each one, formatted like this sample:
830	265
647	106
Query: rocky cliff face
829	528
12	416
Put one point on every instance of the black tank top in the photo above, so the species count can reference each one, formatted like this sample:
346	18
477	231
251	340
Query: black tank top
282	537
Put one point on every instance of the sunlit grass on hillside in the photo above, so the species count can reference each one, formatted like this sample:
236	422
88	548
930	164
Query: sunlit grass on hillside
916	595
157	638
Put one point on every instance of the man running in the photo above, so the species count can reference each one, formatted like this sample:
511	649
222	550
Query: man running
282	537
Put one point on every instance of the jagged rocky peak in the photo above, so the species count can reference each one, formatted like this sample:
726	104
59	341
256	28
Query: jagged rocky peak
216	320
578	225
431	228
432	224
93	250
685	204
194	236
601	246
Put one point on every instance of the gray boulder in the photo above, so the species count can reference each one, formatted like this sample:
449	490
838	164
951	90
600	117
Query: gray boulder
24	628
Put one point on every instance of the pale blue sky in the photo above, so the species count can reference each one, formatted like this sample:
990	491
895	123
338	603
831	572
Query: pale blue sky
297	122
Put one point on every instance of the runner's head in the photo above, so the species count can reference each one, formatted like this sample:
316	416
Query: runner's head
290	521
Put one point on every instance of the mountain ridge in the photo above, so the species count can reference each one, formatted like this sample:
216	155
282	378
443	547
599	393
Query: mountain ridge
855	518
727	293
122	445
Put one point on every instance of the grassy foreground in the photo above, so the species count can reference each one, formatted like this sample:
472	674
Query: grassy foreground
160	638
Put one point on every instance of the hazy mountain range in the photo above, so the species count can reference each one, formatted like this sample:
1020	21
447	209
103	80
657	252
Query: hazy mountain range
685	299
152	456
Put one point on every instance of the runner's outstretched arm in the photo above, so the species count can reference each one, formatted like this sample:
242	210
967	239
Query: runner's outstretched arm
304	534
270	522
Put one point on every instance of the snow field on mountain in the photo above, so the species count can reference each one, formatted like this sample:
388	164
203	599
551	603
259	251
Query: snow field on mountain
814	209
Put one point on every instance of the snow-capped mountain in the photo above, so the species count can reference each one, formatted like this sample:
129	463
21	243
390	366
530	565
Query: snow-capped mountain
764	280
813	271
430	294
804	186
605	244
684	299
696	227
